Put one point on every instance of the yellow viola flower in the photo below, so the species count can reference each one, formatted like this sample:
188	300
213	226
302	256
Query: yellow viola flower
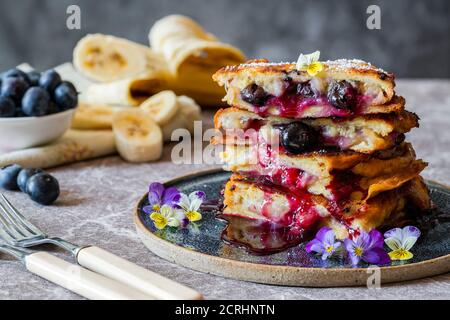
310	63
400	254
159	220
400	241
167	216
193	216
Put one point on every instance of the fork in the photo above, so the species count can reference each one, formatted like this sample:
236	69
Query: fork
18	231
73	277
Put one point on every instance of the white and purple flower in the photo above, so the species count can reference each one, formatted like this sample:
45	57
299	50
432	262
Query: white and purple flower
367	247
170	207
191	205
400	241
324	243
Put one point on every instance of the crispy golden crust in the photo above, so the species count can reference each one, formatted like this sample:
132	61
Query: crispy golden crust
370	80
350	67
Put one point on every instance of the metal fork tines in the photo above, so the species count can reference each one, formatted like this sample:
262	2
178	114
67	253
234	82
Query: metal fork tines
18	231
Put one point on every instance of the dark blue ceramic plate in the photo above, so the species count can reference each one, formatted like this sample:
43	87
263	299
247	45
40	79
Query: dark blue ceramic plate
202	248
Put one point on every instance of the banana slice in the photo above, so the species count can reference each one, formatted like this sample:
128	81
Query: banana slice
138	137
162	107
93	117
106	58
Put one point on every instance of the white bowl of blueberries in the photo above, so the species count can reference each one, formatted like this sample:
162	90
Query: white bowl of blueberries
35	108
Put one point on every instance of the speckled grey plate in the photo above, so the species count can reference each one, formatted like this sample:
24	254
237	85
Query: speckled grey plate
203	250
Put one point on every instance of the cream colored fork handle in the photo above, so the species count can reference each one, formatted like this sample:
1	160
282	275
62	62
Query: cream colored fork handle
114	267
80	280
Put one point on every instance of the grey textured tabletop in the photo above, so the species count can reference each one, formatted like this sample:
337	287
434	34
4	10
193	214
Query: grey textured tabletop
98	198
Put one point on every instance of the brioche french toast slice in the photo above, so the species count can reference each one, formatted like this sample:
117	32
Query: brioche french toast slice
343	88
364	134
303	211
333	175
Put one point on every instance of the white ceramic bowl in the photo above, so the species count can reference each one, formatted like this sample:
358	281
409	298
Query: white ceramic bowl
20	133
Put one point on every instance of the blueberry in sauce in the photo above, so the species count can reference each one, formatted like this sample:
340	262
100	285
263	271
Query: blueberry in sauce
255	95
342	95
304	89
297	137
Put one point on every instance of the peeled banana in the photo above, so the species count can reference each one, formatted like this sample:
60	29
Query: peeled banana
107	58
138	136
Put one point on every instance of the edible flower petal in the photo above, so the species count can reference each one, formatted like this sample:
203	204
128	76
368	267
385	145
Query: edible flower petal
167	216
158	196
400	241
310	63
324	243
191	205
367	247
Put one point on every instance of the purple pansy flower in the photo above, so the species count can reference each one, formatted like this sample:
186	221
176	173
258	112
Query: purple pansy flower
367	247
324	243
158	196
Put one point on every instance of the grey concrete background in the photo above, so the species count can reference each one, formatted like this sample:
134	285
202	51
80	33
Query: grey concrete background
414	40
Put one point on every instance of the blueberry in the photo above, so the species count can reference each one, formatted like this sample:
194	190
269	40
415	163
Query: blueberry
305	90
36	102
342	95
19	113
53	107
43	188
14	88
16	73
8	177
255	95
24	176
297	137
34	77
66	96
7	108
49	80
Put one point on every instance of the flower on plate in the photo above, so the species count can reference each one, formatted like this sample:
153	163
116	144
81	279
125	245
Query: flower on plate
324	243
159	196
191	205
167	216
310	63
400	241
367	247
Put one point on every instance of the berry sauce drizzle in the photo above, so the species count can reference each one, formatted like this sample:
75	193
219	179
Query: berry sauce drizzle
260	237
296	106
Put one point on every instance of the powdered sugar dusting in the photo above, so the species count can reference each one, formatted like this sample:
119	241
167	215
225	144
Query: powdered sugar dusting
344	64
339	64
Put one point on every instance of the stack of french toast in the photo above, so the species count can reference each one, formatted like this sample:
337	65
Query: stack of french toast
309	150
